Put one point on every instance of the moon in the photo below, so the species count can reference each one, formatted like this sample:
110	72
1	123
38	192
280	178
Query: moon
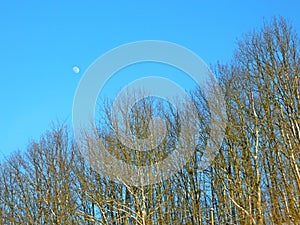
76	69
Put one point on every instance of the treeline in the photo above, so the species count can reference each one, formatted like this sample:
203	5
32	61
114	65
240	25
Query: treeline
254	179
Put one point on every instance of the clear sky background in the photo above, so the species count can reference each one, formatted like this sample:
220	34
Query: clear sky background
40	42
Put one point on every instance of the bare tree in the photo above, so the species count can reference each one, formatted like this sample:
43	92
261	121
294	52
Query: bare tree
259	165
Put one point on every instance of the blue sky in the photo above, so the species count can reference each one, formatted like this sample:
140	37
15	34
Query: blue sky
40	42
